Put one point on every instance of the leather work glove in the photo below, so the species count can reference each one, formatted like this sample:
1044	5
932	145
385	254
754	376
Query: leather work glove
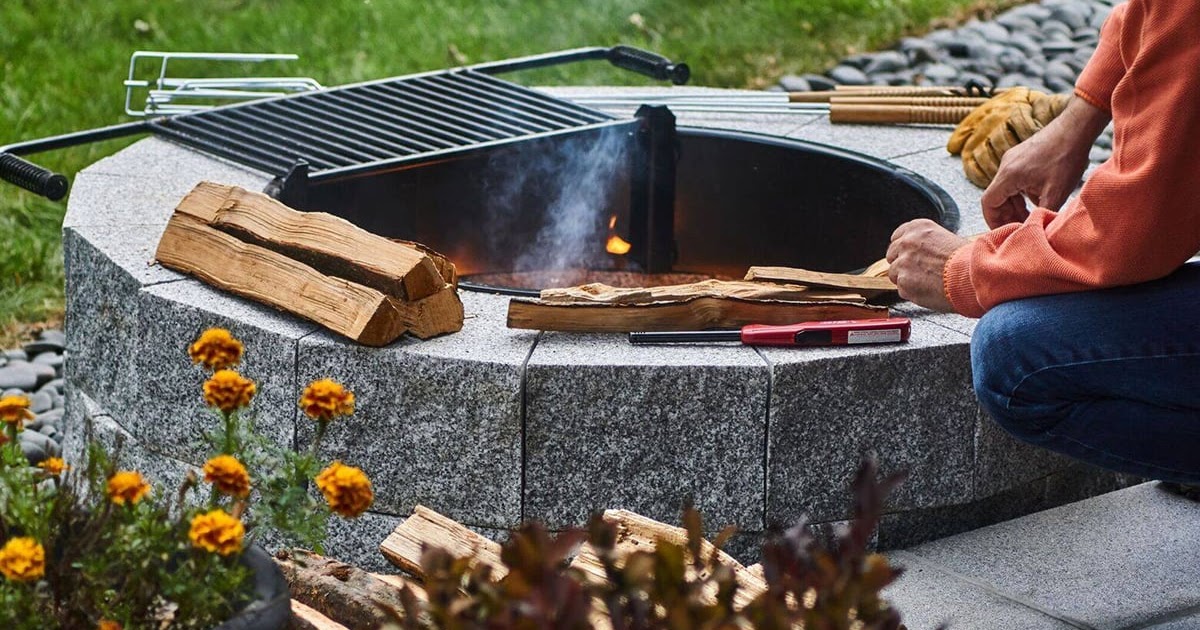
998	125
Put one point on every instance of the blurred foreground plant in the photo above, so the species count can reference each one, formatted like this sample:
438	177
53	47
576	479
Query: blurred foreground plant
88	544
810	584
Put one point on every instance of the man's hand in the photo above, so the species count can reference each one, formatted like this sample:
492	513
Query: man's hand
1046	167
918	254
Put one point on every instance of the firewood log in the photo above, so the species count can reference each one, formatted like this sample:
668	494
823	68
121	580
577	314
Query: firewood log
403	547
307	618
597	293
341	592
867	284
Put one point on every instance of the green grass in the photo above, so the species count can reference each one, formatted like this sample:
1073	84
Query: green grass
62	63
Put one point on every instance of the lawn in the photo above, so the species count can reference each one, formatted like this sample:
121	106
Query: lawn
62	63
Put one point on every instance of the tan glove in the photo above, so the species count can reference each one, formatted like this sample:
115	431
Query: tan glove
998	125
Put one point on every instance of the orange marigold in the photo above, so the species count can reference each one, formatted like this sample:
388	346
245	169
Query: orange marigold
347	489
228	475
217	532
216	349
15	410
326	399
22	559
108	624
127	486
228	391
55	466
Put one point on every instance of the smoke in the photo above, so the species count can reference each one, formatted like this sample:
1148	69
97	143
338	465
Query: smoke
575	178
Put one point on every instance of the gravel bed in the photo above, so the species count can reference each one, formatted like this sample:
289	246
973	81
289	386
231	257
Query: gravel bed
36	371
1042	46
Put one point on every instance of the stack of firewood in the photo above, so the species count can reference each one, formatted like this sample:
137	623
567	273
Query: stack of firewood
329	595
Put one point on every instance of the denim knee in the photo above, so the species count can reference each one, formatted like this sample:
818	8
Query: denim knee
1003	348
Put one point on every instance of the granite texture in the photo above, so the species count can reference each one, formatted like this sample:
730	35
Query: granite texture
945	170
867	139
1002	461
644	428
172	414
1078	559
436	422
912	527
905	403
929	598
157	158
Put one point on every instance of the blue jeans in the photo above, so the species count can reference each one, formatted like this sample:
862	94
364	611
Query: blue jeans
1110	377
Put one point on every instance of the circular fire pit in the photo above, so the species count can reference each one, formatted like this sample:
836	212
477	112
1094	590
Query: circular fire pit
492	426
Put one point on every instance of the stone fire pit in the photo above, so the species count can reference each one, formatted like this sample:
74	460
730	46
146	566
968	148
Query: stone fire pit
491	426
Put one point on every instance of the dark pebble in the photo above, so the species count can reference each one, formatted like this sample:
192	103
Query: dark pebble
37	347
20	375
886	61
1070	14
41	402
44	373
940	74
1098	154
793	83
920	50
34	453
47	430
1035	12
54	336
991	31
56	385
848	75
1058	47
818	82
48	446
859	60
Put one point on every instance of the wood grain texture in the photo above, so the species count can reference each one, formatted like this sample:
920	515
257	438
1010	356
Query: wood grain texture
325	242
305	617
404	546
698	313
361	313
341	592
597	293
869	285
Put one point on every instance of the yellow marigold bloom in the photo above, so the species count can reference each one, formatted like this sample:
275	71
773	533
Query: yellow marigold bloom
15	410
228	391
127	486
228	475
217	532
107	624
326	399
216	349
347	489
22	559
54	466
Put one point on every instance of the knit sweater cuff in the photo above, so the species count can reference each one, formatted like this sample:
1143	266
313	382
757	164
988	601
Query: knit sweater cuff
956	283
1099	78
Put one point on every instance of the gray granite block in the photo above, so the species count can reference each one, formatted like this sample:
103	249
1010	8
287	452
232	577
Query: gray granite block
875	140
122	200
945	170
1079	559
912	527
928	597
101	324
156	158
1078	480
911	404
644	428
1188	621
952	321
1002	461
172	416
437	422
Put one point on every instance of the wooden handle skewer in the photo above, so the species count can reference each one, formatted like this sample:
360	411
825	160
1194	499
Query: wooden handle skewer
892	91
901	114
919	101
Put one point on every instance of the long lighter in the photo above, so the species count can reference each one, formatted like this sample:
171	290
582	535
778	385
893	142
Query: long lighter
832	333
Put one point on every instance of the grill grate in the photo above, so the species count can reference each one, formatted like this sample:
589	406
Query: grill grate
360	128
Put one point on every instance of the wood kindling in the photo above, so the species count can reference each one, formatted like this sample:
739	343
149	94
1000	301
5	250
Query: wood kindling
404	546
314	265
340	592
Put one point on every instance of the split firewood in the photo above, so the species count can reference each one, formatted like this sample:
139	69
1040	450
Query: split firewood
598	293
341	592
359	312
867	285
325	242
638	533
305	617
684	313
426	528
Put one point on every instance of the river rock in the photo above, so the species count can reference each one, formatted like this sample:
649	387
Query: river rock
818	82
793	83
940	74
47	445
16	355
19	375
42	345
34	453
1074	14
56	384
53	359
41	402
848	75
54	336
920	50
886	61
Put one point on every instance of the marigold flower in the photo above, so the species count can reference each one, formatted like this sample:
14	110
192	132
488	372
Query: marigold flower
217	532
228	391
22	559
108	624
347	489
15	410
216	349
54	466
127	486
326	399
228	475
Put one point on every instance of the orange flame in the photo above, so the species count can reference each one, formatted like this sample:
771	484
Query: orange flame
617	245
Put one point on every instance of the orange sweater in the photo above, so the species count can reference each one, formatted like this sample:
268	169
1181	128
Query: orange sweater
1138	217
